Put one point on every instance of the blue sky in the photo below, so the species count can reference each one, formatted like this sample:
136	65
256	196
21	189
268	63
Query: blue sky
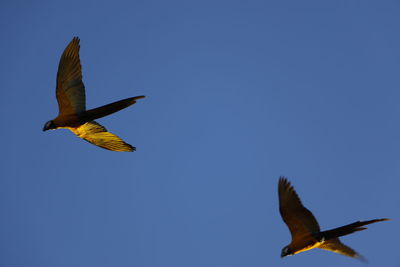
237	94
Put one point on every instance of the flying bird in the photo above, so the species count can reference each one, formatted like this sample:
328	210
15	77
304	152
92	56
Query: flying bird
305	230
72	115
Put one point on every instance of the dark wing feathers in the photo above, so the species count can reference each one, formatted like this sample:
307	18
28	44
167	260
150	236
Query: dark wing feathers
70	91
298	218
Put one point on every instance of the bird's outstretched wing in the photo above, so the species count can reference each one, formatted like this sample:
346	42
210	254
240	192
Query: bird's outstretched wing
336	246
96	134
298	218
70	91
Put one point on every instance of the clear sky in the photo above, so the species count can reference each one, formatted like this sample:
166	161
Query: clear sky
237	94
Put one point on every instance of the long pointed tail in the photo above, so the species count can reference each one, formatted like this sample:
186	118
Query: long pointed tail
105	110
347	229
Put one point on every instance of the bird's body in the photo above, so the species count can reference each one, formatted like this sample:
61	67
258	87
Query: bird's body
70	93
305	230
304	242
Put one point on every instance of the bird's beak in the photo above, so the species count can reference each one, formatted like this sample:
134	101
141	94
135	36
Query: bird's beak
48	125
284	253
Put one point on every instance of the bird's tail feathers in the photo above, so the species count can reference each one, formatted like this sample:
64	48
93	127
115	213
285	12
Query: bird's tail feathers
347	229
105	110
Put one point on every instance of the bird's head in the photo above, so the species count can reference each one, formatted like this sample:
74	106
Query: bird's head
286	251
49	126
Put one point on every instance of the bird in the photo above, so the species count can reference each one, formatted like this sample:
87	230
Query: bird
305	230
72	115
